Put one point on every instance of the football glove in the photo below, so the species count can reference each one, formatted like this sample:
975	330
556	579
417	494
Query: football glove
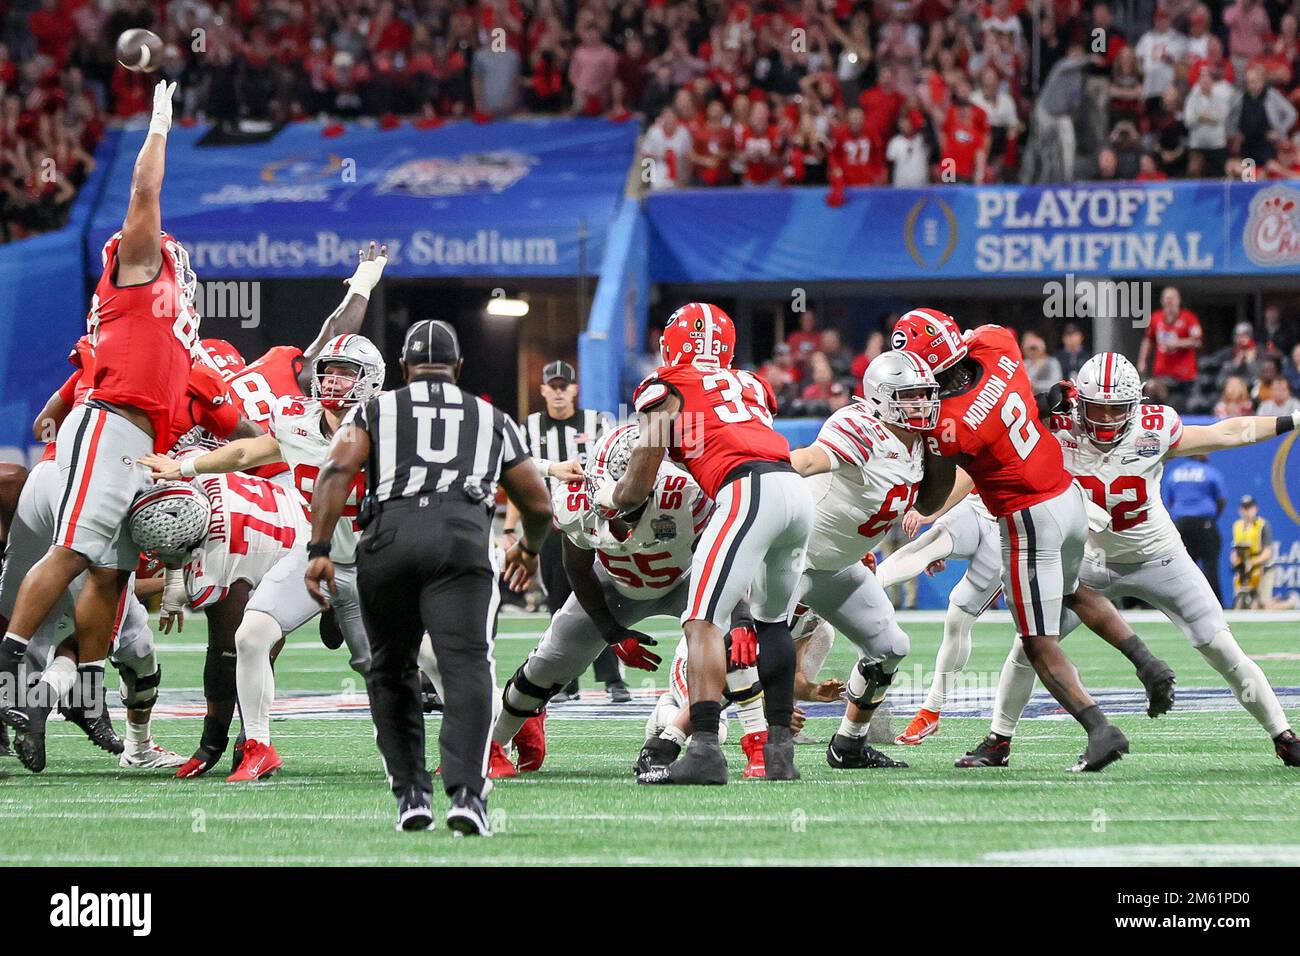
630	647
1061	398
161	120
744	647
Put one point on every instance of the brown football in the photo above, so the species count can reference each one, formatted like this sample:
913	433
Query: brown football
140	51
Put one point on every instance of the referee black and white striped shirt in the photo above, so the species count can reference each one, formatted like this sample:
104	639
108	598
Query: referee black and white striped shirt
431	437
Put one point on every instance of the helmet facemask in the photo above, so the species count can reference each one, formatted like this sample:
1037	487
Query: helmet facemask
332	387
915	407
1106	421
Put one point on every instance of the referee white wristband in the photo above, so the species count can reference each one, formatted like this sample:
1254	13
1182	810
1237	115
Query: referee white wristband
187	468
543	466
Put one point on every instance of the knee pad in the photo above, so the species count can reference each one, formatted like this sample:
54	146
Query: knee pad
743	685
140	690
520	682
869	683
258	632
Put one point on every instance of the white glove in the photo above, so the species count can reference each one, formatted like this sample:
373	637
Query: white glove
603	501
161	121
174	599
367	276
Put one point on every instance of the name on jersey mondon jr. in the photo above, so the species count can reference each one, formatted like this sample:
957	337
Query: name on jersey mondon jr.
990	394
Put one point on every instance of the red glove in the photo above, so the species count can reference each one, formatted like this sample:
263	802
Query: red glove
632	652
869	559
1061	397
744	647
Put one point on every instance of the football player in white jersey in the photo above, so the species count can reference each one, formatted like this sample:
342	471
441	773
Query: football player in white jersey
963	529
1116	448
623	570
867	467
348	370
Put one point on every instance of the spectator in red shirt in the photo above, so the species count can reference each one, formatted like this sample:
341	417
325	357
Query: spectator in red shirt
881	104
591	73
858	153
53	30
875	345
759	147
964	142
711	144
804	342
1174	336
780	367
822	378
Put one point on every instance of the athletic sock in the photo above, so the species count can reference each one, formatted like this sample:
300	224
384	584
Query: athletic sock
1247	680
776	667
953	654
90	681
1137	652
1091	718
138	735
704	717
752	718
216	735
853	728
1015	687
56	683
675	734
254	678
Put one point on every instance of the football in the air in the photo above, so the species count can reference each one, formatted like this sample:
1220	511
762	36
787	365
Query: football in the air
140	51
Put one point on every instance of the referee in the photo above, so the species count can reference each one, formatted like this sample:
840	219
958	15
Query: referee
558	436
433	455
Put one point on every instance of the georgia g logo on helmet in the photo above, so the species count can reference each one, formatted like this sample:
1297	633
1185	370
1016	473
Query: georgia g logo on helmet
931	335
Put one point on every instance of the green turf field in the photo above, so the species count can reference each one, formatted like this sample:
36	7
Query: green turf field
1200	786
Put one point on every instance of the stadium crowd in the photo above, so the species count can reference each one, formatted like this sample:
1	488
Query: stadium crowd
845	92
815	371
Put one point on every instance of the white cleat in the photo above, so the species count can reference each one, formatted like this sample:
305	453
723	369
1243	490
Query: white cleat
152	757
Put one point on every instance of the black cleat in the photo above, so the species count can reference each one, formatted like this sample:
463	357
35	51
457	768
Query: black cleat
413	810
854	753
993	751
778	755
29	738
468	814
1287	747
657	752
618	692
429	698
239	751
702	765
98	729
1159	680
331	635
1105	746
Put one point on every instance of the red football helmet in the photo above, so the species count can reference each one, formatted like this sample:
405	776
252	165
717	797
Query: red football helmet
698	331
932	336
224	356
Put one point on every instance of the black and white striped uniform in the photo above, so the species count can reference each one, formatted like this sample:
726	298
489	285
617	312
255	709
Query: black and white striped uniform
553	439
425	564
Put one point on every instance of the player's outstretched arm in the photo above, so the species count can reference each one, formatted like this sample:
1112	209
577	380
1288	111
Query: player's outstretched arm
1232	433
351	312
580	566
810	461
937	485
236	456
138	254
643	466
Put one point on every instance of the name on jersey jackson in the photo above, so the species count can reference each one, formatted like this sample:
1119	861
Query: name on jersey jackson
991	393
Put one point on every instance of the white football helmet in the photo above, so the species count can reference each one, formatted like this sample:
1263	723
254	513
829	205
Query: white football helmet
1110	391
900	389
170	518
608	460
358	352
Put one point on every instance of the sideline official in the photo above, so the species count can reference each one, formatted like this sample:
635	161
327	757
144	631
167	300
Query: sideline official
433	455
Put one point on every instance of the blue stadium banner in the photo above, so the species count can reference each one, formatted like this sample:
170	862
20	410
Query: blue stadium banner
962	232
517	198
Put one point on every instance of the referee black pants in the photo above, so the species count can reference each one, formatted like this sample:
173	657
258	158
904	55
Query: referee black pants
555	580
1204	543
428	569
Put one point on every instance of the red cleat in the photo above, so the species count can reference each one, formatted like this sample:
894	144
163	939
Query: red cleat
925	723
260	760
530	744
195	767
499	765
752	744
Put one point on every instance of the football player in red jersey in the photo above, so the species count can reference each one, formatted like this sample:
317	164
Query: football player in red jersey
144	329
717	423
988	422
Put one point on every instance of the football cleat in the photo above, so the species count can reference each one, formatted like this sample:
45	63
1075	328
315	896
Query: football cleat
468	814
752	744
499	765
778	755
530	744
204	759
413	810
331	635
1287	747
703	764
1158	679
925	723
260	761
30	747
1104	748
98	729
618	692
238	756
152	757
992	751
854	753
657	752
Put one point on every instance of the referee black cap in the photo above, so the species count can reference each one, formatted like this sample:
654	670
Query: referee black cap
431	342
559	369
